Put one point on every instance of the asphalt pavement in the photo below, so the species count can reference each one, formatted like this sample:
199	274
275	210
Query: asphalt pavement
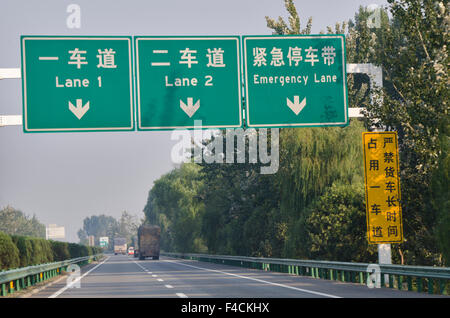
121	276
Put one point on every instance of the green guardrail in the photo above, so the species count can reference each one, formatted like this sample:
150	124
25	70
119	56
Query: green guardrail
17	279
434	280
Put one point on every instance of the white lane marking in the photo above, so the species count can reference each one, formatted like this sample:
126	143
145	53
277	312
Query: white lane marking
259	280
140	266
160	280
62	290
146	270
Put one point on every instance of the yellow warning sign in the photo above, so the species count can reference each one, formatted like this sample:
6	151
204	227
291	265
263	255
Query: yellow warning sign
382	180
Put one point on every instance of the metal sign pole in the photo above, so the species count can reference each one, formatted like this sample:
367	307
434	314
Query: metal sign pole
375	74
10	120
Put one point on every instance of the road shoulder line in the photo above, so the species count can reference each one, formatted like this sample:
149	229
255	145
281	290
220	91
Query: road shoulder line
62	290
258	280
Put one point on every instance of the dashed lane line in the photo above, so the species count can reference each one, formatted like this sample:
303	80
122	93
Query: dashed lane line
181	295
257	280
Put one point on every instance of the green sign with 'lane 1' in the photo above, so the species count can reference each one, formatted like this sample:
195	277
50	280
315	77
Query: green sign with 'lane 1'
184	81
77	83
295	81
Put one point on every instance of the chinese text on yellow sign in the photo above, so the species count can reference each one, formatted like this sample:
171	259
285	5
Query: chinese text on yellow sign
381	167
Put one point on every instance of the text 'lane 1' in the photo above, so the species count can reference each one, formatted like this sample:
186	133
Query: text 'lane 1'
182	80
77	83
295	81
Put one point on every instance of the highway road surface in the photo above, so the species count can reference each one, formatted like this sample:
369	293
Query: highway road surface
124	276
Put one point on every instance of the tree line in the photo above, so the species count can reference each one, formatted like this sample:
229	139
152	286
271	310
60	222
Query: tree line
314	206
15	222
18	251
107	226
23	242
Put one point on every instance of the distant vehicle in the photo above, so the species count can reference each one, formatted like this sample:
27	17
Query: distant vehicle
120	246
148	241
131	250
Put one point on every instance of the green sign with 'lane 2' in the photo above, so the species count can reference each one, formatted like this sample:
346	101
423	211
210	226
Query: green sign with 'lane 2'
185	82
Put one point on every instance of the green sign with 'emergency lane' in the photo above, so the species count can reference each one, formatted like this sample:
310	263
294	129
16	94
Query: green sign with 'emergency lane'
295	81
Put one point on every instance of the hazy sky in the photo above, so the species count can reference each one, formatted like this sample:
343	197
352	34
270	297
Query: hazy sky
64	177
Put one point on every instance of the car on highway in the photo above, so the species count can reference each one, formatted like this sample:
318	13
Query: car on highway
131	250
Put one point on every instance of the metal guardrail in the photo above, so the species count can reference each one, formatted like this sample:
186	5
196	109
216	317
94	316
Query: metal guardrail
434	280
21	278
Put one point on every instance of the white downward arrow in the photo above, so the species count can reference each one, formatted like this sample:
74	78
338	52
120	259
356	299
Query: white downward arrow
190	108
296	106
79	110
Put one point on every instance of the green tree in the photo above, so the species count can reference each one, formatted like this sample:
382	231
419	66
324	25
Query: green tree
412	50
15	222
173	204
232	193
99	226
293	26
414	57
9	254
311	160
314	206
42	251
25	248
60	251
127	227
336	225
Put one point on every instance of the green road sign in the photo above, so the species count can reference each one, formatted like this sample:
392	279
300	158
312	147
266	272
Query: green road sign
295	81
181	80
77	83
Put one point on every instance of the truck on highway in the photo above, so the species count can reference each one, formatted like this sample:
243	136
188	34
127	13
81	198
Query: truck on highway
120	246
148	241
